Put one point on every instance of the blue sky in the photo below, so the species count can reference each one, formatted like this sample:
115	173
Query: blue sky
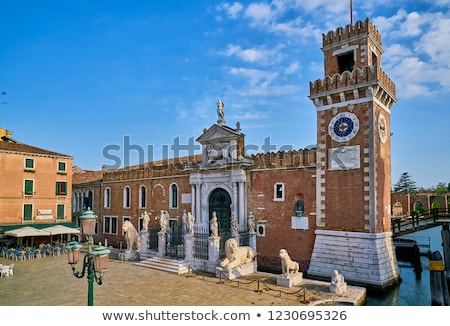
85	77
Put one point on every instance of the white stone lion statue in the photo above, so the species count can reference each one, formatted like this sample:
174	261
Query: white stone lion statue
132	237
287	264
236	255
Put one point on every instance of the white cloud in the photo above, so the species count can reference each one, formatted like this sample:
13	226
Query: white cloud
292	68
435	42
254	76
249	116
259	13
233	10
259	55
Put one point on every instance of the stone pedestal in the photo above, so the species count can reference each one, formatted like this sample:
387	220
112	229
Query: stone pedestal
189	247
129	255
161	244
231	274
213	249
291	280
144	253
252	240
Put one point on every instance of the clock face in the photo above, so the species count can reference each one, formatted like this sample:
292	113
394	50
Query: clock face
382	128
343	127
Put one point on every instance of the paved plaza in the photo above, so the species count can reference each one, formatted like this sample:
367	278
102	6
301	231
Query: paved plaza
49	282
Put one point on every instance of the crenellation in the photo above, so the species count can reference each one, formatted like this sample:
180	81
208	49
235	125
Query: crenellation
285	159
348	79
350	31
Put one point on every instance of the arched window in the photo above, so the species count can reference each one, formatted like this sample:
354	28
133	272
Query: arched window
126	197
80	201
142	197
173	196
107	203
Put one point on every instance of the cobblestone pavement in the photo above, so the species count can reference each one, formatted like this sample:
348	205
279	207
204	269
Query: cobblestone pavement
49	282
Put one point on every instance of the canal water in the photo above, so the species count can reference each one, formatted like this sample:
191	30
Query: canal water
414	290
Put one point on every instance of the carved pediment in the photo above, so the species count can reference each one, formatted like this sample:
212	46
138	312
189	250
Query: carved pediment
218	134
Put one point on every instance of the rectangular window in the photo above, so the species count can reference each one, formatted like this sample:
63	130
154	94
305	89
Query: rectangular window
29	164
27	212
110	225
61	188
278	191
60	212
29	187
62	167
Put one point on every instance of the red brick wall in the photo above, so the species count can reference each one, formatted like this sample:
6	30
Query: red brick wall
276	215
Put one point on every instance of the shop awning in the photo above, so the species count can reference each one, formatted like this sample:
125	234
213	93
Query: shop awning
61	229
44	229
27	231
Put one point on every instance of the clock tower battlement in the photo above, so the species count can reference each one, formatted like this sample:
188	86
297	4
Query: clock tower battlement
353	179
352	65
353	105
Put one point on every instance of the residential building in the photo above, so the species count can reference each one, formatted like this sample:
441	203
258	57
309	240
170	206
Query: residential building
35	189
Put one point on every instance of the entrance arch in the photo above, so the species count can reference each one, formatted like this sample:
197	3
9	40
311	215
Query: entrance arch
220	202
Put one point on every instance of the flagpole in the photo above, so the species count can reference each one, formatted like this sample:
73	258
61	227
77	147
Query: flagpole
351	13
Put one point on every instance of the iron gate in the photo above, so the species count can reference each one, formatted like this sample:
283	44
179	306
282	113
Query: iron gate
175	243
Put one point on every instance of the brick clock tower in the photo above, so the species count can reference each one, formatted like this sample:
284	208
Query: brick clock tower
353	185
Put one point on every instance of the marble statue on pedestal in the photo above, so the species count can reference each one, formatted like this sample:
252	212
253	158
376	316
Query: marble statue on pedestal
163	220
234	225
214	225
251	222
184	220
236	255
220	112
287	264
190	223
338	285
145	221
290	274
132	237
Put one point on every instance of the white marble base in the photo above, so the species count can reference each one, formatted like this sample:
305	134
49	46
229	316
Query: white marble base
364	258
291	280
234	273
129	256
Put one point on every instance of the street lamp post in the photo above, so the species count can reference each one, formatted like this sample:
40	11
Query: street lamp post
95	262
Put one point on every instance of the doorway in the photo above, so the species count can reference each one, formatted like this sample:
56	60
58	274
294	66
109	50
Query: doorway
220	202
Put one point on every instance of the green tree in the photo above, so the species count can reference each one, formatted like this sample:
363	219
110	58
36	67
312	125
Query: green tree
405	184
441	188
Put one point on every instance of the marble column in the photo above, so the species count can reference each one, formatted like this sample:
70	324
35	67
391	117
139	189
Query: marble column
193	199
241	203
198	208
235	201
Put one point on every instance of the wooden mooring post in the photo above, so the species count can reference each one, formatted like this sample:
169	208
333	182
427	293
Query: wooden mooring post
445	233
438	282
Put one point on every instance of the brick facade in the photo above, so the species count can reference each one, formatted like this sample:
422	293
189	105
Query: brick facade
328	206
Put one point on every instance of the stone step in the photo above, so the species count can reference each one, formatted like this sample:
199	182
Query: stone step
164	264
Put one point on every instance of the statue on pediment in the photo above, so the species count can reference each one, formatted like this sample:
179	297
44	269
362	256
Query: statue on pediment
220	112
